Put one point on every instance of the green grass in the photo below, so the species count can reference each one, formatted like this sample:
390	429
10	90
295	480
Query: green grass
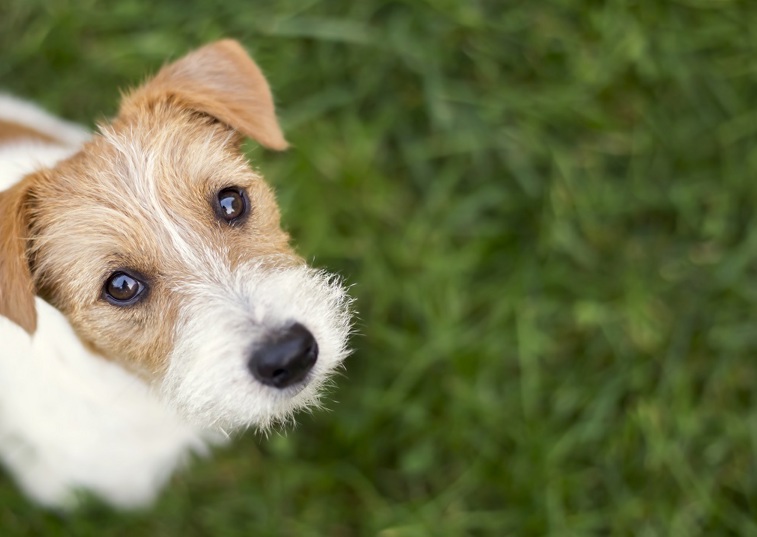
546	210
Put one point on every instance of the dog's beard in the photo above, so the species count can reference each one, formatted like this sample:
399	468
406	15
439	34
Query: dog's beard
222	323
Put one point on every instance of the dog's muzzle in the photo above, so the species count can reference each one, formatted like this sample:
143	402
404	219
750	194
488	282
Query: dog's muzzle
286	357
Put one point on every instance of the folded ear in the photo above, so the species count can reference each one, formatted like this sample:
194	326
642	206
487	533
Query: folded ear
16	285
220	80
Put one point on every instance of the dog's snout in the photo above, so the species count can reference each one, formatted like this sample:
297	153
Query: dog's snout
286	358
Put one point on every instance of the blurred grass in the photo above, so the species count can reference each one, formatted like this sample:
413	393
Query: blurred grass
546	210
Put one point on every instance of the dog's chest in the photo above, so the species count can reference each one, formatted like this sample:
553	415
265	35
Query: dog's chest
70	420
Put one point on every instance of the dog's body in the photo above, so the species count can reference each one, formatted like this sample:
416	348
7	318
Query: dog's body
171	308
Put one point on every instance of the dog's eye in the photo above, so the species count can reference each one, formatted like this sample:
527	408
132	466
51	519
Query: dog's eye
122	289
232	204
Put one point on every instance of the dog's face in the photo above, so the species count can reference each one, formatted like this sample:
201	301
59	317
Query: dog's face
165	252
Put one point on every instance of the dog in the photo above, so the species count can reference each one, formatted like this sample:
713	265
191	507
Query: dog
150	302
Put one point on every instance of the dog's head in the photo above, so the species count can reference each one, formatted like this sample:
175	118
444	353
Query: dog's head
165	252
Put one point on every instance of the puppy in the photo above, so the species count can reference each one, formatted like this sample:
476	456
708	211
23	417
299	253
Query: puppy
150	302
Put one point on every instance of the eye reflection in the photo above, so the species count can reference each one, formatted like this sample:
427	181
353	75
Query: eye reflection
122	288
232	203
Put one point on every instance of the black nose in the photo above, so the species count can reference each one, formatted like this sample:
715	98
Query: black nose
286	358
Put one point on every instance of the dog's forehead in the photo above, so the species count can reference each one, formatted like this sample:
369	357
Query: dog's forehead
171	157
151	155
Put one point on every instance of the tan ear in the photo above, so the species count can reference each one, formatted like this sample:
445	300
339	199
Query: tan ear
220	80
16	285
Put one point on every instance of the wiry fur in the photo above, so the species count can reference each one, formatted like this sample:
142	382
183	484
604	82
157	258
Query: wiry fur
111	399
218	392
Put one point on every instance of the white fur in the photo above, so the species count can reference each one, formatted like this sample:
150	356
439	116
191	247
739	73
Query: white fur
208	376
71	420
23	156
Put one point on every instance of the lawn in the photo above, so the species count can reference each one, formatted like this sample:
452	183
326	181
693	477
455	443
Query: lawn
546	213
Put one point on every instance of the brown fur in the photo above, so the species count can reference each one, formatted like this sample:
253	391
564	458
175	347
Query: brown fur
154	171
17	289
10	130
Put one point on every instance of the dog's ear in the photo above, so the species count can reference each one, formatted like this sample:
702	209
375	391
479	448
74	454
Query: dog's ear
220	80
16	285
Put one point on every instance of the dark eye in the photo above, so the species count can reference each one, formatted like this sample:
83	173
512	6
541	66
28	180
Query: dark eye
122	289
232	203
